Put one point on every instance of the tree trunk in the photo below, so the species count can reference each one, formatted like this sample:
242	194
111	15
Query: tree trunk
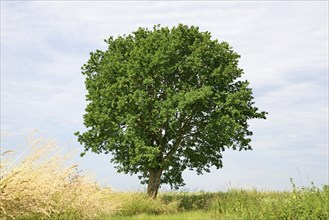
154	182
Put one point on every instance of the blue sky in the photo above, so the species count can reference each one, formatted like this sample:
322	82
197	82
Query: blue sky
284	54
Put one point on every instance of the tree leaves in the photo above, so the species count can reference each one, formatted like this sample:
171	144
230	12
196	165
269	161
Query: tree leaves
166	99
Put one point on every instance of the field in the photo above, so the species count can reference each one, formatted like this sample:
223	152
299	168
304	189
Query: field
42	185
305	203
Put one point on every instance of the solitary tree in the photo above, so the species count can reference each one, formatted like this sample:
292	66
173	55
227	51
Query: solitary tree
165	100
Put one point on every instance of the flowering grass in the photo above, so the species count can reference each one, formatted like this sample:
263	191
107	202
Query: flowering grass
42	185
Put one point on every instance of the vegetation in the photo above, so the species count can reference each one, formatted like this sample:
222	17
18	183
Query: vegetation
302	203
41	185
165	100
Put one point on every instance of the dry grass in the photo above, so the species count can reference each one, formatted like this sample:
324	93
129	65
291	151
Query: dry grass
41	185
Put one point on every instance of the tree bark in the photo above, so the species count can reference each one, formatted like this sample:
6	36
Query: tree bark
154	182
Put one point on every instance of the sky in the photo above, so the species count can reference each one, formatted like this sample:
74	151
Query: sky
284	54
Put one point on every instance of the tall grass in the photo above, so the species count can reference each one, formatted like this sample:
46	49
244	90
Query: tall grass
136	203
42	185
305	203
302	203
187	201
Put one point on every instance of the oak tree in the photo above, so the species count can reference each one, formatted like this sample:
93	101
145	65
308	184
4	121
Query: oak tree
165	100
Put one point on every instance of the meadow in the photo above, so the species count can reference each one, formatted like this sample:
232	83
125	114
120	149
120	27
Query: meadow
44	185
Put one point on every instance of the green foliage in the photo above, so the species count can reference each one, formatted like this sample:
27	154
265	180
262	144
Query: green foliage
305	203
140	203
166	99
190	201
301	203
247	204
308	202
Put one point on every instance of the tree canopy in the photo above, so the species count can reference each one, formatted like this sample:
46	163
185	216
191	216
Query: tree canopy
165	100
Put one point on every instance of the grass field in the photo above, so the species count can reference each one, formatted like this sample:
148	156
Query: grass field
42	185
300	203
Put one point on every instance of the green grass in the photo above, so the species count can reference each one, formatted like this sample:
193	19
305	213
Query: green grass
300	203
196	215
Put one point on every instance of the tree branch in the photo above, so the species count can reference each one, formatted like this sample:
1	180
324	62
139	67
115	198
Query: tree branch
182	131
